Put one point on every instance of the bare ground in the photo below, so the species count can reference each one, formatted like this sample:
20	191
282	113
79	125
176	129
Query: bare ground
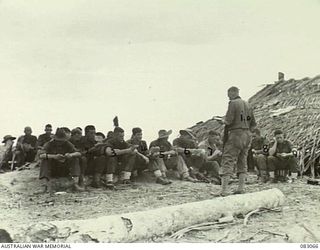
21	204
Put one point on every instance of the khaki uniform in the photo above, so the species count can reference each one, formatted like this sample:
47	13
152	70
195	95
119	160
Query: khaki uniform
239	121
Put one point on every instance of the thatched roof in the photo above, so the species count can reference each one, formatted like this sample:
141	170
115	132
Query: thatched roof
292	106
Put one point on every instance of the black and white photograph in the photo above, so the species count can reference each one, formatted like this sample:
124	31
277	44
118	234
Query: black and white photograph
159	121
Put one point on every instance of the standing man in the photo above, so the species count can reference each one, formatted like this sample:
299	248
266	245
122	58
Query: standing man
240	122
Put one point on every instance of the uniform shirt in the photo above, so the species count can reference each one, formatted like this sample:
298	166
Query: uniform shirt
164	145
43	139
143	147
77	144
86	143
210	149
116	144
98	149
239	115
28	139
284	147
59	147
184	143
260	143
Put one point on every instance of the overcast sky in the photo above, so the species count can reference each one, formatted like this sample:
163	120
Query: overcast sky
154	63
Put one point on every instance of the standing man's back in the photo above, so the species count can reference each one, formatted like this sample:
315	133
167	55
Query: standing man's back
239	122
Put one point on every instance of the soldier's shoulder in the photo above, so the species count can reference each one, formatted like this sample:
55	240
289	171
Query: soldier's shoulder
154	143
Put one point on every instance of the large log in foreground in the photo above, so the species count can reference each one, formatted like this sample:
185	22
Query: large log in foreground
135	226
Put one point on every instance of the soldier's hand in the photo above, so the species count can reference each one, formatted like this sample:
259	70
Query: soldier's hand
58	157
68	156
133	147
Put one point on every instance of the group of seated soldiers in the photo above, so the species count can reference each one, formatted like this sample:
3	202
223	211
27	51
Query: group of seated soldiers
270	157
112	160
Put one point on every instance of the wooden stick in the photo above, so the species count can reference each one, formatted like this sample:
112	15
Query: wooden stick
311	233
251	237
223	237
274	233
245	221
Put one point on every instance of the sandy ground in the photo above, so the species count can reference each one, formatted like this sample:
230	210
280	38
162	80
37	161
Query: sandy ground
20	204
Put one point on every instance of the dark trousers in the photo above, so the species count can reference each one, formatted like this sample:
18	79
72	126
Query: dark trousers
111	165
211	167
23	157
101	166
140	164
235	152
277	163
53	168
193	161
260	161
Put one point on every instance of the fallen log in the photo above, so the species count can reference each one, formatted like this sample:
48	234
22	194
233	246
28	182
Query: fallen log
146	224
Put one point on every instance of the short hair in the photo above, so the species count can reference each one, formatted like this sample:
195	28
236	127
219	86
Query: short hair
27	128
233	89
278	132
257	131
213	133
118	130
109	134
100	134
136	131
79	128
48	126
88	128
76	131
66	130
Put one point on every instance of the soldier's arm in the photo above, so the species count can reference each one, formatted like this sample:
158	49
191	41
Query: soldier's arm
273	149
230	116
113	151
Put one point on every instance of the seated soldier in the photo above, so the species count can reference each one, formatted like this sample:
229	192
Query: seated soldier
100	162
88	141
259	150
163	156
26	147
142	161
117	151
213	148
67	131
44	138
186	147
76	135
281	156
6	152
60	158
